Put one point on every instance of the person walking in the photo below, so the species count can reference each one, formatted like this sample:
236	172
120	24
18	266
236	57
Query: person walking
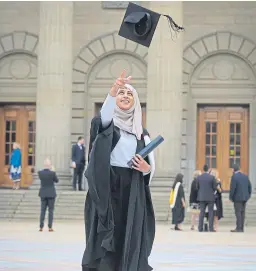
47	193
240	192
207	186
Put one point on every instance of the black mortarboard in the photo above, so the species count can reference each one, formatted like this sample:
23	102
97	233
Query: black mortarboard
139	24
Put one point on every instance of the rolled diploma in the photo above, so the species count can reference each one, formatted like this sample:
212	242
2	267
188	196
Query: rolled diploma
148	149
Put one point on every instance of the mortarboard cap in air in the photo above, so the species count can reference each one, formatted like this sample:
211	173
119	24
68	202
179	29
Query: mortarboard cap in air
139	24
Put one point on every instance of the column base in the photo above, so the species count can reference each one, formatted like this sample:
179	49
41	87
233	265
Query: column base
162	182
164	178
65	181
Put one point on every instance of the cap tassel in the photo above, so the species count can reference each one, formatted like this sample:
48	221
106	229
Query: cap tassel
173	26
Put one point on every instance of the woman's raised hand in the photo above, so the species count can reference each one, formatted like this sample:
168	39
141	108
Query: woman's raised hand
120	82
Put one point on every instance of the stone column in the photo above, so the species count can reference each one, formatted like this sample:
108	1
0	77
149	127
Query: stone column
164	93
54	89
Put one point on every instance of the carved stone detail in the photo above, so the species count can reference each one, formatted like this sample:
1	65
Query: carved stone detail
115	67
106	70
102	46
223	70
215	43
18	41
20	68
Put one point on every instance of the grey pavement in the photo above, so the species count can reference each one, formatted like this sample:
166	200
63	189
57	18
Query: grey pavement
23	248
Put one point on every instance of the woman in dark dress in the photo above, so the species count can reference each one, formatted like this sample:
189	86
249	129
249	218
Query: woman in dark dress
218	208
119	215
193	202
178	210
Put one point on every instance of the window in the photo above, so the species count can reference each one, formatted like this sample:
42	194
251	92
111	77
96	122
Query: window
234	144
31	142
211	144
10	138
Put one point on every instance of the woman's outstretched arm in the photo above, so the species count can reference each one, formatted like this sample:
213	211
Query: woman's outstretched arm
107	111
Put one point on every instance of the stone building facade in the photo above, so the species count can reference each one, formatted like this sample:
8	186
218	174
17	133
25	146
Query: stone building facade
59	59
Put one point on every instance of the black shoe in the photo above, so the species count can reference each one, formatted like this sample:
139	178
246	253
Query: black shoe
177	228
235	230
205	227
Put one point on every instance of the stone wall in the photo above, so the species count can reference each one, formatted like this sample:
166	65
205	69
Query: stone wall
202	18
91	22
222	28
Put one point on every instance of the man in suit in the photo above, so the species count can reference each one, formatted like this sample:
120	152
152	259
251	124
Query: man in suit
47	193
240	192
206	187
78	162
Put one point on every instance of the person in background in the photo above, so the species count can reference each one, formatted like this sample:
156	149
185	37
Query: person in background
193	202
178	205
15	165
240	192
78	162
218	210
47	193
206	197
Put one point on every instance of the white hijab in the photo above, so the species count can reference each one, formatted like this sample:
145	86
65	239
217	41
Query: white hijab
130	120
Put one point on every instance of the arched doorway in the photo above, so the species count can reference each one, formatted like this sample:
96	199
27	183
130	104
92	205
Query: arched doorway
220	83
105	72
18	76
95	69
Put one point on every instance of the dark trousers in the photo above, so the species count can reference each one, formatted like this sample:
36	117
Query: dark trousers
203	205
47	202
240	214
78	175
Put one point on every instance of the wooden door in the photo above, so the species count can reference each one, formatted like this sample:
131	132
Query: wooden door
222	140
17	123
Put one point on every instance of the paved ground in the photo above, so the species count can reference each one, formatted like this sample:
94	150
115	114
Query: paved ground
23	248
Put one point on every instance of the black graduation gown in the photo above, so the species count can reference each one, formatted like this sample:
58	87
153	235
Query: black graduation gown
99	216
178	212
219	205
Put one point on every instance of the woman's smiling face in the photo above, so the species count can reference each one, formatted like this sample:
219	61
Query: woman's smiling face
125	99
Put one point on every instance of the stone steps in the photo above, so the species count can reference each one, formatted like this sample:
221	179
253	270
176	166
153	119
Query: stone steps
25	204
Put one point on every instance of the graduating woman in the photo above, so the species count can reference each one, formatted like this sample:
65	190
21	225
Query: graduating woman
119	215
